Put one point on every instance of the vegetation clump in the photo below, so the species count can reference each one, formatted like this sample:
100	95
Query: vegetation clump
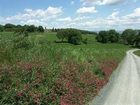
72	36
21	41
128	37
108	36
18	28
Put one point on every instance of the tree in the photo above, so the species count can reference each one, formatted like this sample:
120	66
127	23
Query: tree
1	28
137	40
113	36
102	37
73	36
128	36
40	29
62	34
9	27
30	28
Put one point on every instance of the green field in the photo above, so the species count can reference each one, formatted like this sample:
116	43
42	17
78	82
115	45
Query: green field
38	74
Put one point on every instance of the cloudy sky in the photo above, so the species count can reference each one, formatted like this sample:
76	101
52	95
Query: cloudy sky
81	14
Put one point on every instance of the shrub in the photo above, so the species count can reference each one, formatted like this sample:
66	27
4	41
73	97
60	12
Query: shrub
40	29
102	37
108	36
128	36
73	36
1	28
85	41
137	40
21	41
62	34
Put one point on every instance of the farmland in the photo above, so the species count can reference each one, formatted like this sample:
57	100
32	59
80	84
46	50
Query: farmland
54	73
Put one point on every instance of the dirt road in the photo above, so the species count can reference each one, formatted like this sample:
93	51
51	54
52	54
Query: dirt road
124	85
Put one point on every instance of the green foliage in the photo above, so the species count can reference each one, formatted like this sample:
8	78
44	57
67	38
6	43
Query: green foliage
108	36
40	29
137	52
1	28
102	37
30	28
47	72
128	36
73	36
137	40
21	41
9	26
19	28
62	34
113	36
85	41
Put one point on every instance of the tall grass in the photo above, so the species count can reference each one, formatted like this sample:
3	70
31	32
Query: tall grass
54	73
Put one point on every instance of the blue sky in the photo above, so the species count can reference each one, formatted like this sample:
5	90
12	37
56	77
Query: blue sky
81	14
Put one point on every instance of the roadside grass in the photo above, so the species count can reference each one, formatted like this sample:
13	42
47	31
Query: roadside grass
137	53
55	73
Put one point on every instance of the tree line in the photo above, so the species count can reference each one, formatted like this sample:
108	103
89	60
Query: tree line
19	28
128	36
74	36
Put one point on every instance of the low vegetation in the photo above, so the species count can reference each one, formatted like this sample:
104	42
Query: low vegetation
63	67
137	53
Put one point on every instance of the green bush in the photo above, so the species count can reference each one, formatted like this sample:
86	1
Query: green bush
108	36
21	41
40	29
128	36
73	36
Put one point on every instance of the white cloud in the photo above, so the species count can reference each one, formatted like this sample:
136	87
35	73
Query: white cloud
135	14
67	19
101	2
54	19
33	21
84	10
114	15
114	20
50	12
77	19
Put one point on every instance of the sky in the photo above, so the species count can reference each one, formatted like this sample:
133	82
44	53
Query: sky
91	15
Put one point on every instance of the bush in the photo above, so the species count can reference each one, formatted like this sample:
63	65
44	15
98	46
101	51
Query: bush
62	34
30	28
102	37
108	36
1	28
40	29
21	41
128	36
85	41
137	40
73	36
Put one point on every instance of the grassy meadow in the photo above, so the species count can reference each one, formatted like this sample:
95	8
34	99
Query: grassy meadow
50	73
